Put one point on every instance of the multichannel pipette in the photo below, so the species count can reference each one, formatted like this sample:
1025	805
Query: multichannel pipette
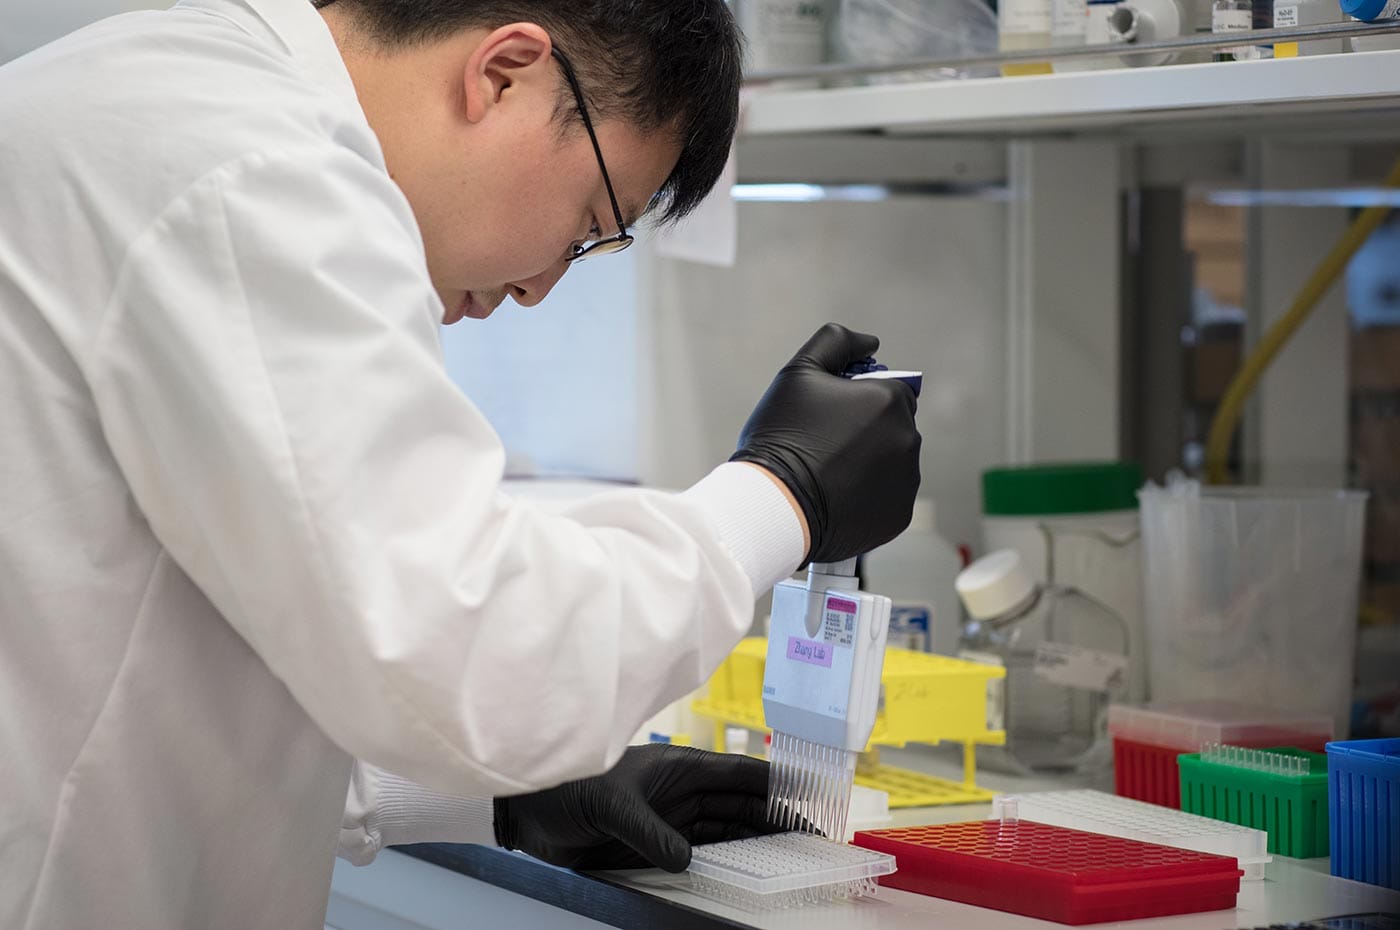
821	688
821	681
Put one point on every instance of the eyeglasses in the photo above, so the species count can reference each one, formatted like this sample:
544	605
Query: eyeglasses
613	243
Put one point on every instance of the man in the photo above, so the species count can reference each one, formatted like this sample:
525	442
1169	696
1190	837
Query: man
249	530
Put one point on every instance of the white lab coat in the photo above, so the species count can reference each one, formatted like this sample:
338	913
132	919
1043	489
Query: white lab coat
248	527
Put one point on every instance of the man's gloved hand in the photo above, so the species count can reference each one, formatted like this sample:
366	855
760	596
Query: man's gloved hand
647	810
848	450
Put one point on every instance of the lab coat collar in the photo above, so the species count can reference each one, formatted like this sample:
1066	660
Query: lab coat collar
306	35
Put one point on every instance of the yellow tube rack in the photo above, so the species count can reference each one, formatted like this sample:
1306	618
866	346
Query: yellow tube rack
924	699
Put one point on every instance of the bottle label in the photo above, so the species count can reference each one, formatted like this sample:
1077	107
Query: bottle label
996	687
1077	667
1096	30
839	621
1067	18
909	627
1019	17
785	33
1231	21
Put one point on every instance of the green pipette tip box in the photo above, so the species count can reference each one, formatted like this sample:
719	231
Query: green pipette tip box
1291	807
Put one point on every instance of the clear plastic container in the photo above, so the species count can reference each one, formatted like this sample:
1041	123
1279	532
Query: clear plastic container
1097	812
1187	725
781	34
1147	739
1066	657
881	31
1023	25
1067	23
786	870
1251	595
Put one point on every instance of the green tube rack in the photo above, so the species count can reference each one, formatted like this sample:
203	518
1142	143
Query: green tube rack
1281	791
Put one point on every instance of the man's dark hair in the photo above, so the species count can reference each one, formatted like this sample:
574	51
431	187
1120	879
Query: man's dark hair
669	65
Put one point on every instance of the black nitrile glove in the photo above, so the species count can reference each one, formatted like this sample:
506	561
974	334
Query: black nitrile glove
654	803
848	450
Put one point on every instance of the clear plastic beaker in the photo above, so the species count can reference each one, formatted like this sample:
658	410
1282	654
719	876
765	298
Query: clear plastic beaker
1251	595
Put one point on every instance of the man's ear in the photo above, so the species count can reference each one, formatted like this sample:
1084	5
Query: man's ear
502	59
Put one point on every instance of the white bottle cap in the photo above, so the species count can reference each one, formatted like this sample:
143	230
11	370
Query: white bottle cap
995	584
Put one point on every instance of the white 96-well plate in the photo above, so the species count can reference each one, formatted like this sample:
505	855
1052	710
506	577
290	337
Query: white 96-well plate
1097	812
785	870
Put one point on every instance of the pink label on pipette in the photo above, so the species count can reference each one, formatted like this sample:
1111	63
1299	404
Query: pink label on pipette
804	650
839	620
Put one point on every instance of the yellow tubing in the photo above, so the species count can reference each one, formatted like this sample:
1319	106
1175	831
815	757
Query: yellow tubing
1227	418
1371	615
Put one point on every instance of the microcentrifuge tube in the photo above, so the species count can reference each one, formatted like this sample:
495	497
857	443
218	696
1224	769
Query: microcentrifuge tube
1006	808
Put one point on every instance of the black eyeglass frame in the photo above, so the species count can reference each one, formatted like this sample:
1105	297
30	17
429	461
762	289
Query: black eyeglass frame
612	243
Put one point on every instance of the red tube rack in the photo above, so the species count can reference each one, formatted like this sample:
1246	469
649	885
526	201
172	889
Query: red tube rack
1054	873
1147	739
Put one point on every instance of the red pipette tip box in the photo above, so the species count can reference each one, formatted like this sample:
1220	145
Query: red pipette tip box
1053	873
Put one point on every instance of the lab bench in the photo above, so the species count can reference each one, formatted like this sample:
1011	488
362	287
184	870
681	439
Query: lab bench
447	887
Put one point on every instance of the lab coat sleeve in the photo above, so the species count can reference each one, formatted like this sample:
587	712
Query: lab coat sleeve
269	379
382	809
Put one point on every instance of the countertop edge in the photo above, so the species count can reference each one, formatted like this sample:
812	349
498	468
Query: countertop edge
587	895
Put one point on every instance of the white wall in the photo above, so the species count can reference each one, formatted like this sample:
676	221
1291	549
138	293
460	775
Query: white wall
27	24
926	275
559	381
637	367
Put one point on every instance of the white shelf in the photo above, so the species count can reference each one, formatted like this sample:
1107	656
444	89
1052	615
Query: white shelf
1354	94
